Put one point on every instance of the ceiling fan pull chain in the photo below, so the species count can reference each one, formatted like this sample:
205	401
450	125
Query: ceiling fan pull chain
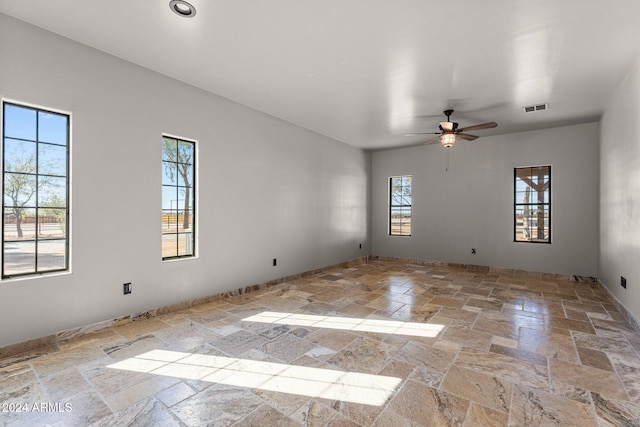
447	167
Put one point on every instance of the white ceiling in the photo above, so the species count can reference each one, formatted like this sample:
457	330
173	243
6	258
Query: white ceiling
366	72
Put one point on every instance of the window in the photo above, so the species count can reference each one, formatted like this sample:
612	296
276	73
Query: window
400	206
178	200
35	187
532	206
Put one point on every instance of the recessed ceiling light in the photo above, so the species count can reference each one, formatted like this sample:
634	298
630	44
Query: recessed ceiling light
182	8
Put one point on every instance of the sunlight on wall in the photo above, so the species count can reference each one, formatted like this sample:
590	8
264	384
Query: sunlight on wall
401	92
534	80
330	384
348	323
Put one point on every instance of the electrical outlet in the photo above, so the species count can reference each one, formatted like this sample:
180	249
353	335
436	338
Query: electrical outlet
473	251
126	288
275	262
623	282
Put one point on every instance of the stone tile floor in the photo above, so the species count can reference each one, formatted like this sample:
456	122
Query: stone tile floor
383	343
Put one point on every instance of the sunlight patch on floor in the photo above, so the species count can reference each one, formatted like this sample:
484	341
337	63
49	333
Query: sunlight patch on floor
278	377
429	330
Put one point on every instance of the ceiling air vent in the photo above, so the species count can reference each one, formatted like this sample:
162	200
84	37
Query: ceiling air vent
534	108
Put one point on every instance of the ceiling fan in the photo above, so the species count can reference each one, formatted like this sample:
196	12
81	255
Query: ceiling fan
450	132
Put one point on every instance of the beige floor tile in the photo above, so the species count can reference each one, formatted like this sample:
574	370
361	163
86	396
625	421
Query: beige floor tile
216	405
267	416
614	413
488	391
314	414
388	418
363	355
64	384
425	356
146	412
468	338
554	346
506	368
479	416
534	408
175	394
598	380
428	406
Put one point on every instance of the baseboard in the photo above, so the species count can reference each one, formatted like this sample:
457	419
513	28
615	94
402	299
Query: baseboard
629	317
484	268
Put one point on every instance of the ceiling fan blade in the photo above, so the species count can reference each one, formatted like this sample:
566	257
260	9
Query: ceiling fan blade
481	126
466	136
433	140
421	133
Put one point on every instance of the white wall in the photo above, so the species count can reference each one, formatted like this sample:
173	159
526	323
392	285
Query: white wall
620	193
471	204
267	189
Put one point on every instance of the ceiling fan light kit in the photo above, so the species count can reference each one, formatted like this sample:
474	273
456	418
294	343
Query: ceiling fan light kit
447	140
450	133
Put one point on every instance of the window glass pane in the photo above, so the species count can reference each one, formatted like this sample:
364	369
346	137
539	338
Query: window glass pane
52	128
51	255
19	156
169	245
533	198
52	160
169	147
185	244
185	152
185	172
19	257
191	204
523	197
520	185
169	221
521	231
52	192
52	223
19	122
404	221
186	220
19	190
185	198
19	224
169	173
399	199
171	198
